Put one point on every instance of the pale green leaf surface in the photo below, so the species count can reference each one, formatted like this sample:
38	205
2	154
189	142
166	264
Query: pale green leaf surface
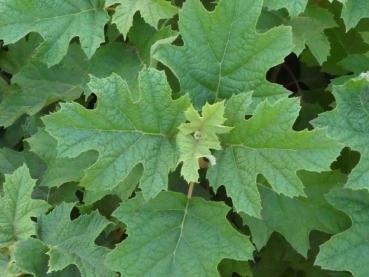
182	237
308	29
353	11
348	250
124	132
295	218
348	122
266	144
294	7
17	207
57	22
223	54
72	242
59	170
198	135
151	11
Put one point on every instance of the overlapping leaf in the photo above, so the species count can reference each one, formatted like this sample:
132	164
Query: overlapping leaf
182	237
151	10
348	250
57	22
266	144
295	218
17	207
348	122
72	242
198	136
123	131
294	7
223	54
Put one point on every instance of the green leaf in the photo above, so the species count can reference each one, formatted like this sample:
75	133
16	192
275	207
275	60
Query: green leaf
72	242
223	54
198	136
59	170
348	122
151	11
35	85
123	131
348	250
353	11
17	207
266	144
144	37
308	29
56	22
294	7
295	218
182	237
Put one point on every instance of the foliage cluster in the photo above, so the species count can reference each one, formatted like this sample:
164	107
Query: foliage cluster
184	138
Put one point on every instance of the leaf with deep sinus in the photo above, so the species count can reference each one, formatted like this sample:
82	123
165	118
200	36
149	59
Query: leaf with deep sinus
349	123
198	136
124	132
266	144
182	237
223	54
151	11
57	22
17	207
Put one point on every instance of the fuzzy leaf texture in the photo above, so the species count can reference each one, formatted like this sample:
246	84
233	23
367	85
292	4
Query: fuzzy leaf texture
348	122
17	207
198	136
182	237
124	132
57	22
266	144
223	54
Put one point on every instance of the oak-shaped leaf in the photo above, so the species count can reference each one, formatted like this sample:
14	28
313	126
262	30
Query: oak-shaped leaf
223	54
151	11
198	136
59	170
73	242
295	218
349	123
348	251
267	144
124	132
57	22
182	237
17	207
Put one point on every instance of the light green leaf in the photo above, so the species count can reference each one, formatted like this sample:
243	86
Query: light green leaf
353	11
72	242
294	7
308	29
124	132
348	122
348	250
223	54
295	218
182	237
151	11
57	22
198	136
17	207
59	170
266	144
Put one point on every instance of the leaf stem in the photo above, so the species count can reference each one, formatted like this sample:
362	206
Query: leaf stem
190	189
